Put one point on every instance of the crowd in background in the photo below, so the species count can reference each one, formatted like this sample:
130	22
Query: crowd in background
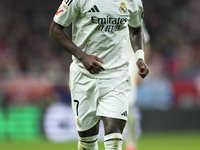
25	44
27	49
174	67
175	35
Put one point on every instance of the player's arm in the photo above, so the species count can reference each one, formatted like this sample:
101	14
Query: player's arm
137	43
90	62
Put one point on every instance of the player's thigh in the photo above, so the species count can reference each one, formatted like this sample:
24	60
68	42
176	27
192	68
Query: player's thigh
114	104
83	101
90	132
113	125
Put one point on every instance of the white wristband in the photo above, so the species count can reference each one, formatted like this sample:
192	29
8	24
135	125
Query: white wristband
139	54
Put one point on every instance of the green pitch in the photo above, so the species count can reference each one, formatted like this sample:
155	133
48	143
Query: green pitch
148	141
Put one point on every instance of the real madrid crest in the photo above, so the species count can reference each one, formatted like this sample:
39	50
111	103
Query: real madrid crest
78	123
123	8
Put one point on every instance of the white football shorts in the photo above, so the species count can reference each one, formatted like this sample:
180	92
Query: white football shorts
94	97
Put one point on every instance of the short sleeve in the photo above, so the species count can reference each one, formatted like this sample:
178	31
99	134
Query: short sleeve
67	12
136	17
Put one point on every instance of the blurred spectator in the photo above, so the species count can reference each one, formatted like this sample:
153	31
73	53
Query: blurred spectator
157	88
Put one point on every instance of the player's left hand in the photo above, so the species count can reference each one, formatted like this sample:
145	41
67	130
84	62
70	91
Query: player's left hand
143	68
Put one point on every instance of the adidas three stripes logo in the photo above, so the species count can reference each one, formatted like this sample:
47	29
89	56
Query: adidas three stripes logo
124	113
67	2
94	9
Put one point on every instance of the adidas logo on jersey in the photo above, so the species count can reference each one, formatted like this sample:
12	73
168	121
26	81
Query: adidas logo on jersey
67	2
94	9
124	113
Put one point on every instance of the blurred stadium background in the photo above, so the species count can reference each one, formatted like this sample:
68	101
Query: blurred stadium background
35	110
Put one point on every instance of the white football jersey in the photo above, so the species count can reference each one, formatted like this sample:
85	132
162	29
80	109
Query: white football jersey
100	28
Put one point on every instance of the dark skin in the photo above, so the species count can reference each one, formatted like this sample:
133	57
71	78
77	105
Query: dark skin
111	125
90	62
93	65
137	40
